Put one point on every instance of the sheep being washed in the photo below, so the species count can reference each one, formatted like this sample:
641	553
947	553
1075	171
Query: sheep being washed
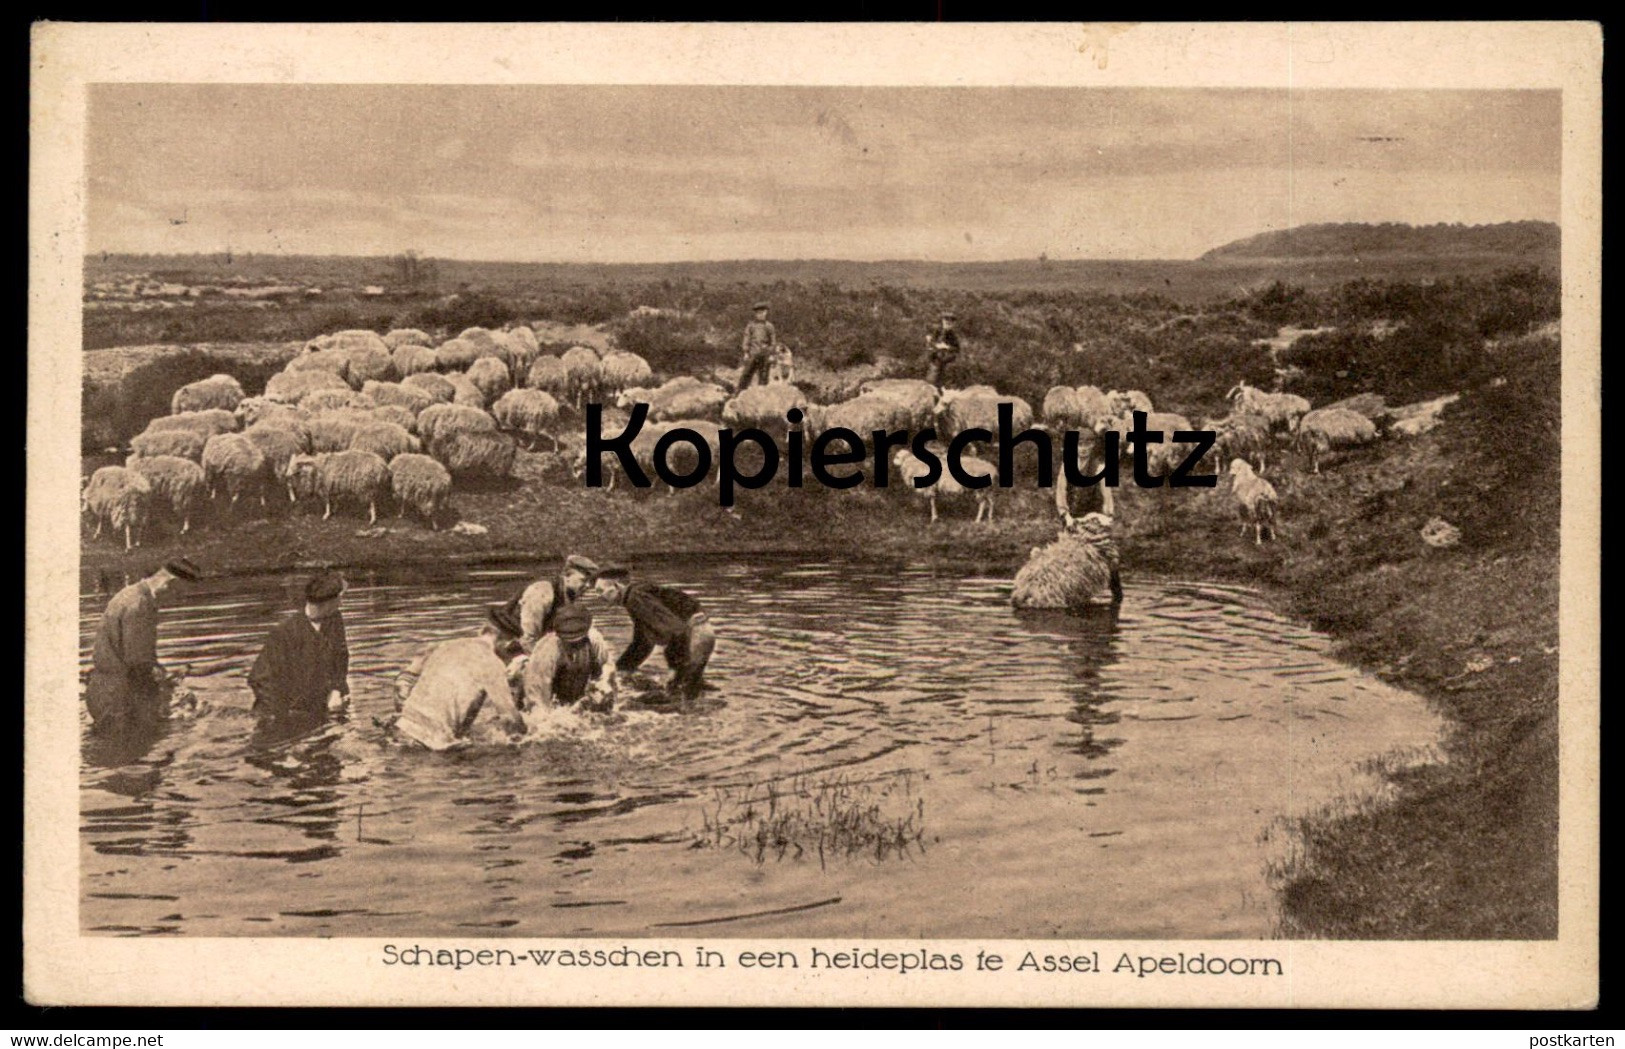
1069	573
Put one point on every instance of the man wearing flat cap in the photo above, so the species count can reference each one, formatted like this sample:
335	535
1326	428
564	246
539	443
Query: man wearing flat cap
538	603
757	349
572	666
665	616
461	691
127	684
941	347
305	665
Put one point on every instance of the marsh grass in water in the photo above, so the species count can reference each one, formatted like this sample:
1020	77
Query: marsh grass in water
831	818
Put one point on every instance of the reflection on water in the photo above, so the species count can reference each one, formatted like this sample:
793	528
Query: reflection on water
1099	775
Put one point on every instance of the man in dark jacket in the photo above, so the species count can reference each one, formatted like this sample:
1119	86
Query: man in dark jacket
127	683
941	348
757	349
664	616
304	667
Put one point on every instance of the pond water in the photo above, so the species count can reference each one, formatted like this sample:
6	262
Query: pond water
887	752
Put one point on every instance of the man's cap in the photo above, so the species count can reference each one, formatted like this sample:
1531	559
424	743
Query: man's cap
572	623
184	568
582	564
505	619
324	587
614	572
760	306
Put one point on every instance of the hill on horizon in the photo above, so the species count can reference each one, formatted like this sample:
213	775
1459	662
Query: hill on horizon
1528	239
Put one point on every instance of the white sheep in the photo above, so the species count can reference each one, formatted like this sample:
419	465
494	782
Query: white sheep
399	337
530	412
684	397
412	359
184	444
917	396
333	362
763	406
405	418
433	384
1068	573
252	410
620	371
978	407
175	482
525	347
421	484
347	342
489	343
290	387
438	420
464	391
1242	435
642	448
235	463
357	477
119	498
454	355
1281	409
1076	408
946	487
411	398
370	362
217	391
547	374
583	372
475	454
205	423
1255	500
1318	432
279	444
385	440
491	377
332	431
1121	404
866	413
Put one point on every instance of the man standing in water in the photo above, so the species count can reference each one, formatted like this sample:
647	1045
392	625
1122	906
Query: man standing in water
127	685
441	694
1088	511
305	664
664	616
941	347
573	666
757	349
539	602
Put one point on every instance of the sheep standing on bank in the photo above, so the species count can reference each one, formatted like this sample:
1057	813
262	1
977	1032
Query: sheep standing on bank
946	487
1281	409
252	410
548	375
412	398
217	391
525	347
279	444
1122	404
412	359
290	387
866	413
332	431
1242	435
490	376
475	454
684	397
916	398
464	392
620	371
184	444
437	420
583	372
763	407
405	418
978	407
334	400
370	363
205	423
1255	500
1163	458
175	482
1070	572
421	484
1318	432
455	355
529	412
235	463
489	343
399	337
356	477
331	362
434	384
120	499
385	440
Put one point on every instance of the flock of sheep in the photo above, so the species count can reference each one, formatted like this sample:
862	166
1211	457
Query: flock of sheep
357	421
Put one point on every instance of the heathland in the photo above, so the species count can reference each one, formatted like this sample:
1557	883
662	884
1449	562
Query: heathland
1465	848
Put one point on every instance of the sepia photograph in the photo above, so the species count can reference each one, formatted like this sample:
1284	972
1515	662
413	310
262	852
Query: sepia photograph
547	524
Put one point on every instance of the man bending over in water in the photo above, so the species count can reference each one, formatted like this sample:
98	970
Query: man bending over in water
664	616
572	666
442	694
539	602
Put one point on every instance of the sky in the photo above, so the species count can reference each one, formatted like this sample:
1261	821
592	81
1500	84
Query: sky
661	174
